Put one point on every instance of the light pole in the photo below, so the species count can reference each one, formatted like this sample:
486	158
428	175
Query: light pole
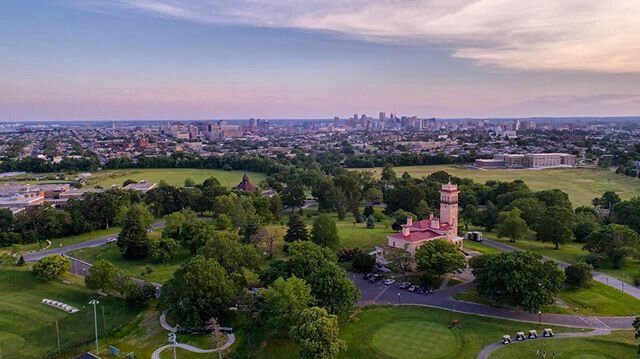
624	276
539	317
398	298
95	322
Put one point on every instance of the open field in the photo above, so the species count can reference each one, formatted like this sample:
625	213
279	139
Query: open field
620	344
582	184
173	176
138	268
598	300
27	327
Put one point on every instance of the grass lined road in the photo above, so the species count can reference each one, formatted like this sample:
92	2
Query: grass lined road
582	184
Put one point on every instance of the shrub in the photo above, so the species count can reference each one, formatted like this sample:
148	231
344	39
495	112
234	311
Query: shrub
578	275
51	267
347	254
593	259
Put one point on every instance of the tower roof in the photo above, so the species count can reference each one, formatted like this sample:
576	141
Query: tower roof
449	187
246	185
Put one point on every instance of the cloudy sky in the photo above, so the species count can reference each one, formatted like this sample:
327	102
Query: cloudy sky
194	59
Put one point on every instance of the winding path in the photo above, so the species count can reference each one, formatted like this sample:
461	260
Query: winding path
231	338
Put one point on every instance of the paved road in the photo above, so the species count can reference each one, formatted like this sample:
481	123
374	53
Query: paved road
33	257
378	293
600	277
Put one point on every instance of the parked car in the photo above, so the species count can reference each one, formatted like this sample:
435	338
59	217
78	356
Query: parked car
111	240
405	285
389	281
412	288
420	290
374	278
367	276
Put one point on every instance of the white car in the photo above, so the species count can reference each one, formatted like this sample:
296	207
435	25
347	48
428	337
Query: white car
389	281
111	240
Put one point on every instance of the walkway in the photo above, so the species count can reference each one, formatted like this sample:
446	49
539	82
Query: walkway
486	352
378	293
600	277
231	338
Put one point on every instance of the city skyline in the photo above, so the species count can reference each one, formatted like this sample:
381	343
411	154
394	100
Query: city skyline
144	59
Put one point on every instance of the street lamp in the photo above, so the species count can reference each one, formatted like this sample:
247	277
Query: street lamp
539	317
398	298
95	321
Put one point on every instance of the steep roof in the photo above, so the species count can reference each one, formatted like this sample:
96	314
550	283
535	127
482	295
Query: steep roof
246	185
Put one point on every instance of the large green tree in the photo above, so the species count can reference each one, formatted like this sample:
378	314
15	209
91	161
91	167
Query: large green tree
489	216
439	257
333	289
317	334
519	279
296	229
51	267
325	232
469	215
556	226
133	240
284	300
511	225
614	242
627	213
199	290
103	275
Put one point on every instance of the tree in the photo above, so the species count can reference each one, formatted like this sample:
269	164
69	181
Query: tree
388	174
189	182
636	329
296	229
333	289
316	333
531	209
371	222
422	210
200	289
293	195
363	263
163	250
399	259
51	267
103	275
373	195
586	223
511	225
614	242
469	214
610	199
368	211
489	216
325	232
133	240
578	275
627	213
275	206
556	226
284	301
223	222
439	257
227	249
519	279
554	198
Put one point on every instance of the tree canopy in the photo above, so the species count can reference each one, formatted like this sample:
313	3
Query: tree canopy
439	257
316	333
614	242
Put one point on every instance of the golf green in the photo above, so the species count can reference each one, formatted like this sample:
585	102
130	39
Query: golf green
416	339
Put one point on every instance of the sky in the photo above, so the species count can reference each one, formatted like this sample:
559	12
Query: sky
207	59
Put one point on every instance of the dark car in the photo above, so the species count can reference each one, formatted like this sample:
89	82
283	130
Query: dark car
420	290
367	276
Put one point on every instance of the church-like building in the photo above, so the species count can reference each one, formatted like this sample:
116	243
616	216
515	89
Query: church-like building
415	234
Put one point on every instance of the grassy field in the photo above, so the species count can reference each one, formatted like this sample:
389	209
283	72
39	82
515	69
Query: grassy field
599	299
417	332
61	242
617	345
27	327
582	184
139	268
173	176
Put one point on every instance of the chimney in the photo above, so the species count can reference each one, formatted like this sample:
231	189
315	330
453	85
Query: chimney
409	221
406	231
430	216
435	223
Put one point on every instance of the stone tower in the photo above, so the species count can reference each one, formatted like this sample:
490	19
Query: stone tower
449	205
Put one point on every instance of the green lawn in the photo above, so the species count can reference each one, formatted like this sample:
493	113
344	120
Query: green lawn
139	268
173	176
582	184
479	247
418	332
27	327
620	344
598	299
65	241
